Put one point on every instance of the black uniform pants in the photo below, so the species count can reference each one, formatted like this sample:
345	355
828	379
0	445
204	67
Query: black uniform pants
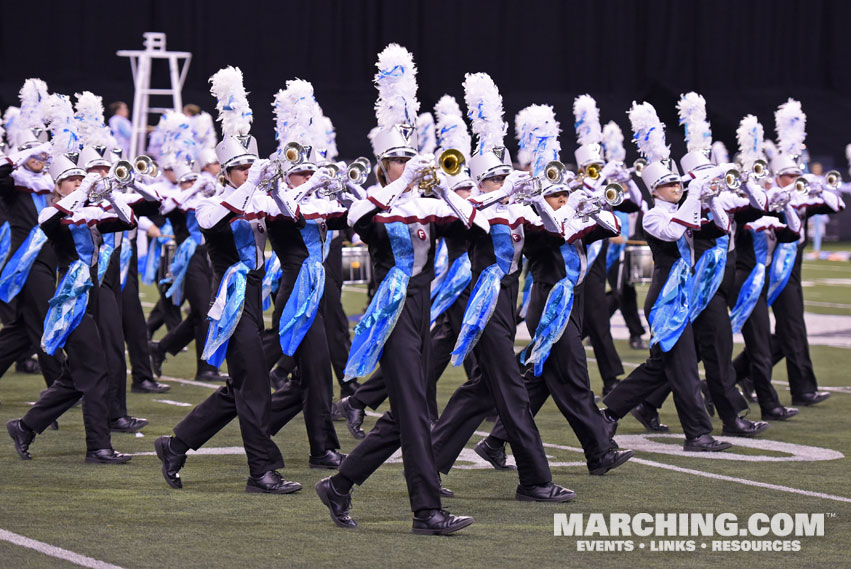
245	396
500	384
406	424
625	299
19	336
596	321
336	327
678	369
565	377
133	325
112	338
88	377
197	289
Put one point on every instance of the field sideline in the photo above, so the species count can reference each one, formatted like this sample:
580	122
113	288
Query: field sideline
126	516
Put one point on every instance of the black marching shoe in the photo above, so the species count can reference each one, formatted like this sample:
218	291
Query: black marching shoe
744	428
331	460
548	492
277	378
127	424
636	343
172	461
440	522
610	423
811	398
705	443
494	456
270	482
338	504
211	375
149	386
354	417
22	437
748	390
648	416
157	358
778	413
609	461
444	492
106	456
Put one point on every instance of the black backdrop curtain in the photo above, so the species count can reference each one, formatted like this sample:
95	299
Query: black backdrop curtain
743	56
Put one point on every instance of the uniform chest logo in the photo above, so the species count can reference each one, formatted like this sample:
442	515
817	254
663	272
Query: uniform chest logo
421	234
516	237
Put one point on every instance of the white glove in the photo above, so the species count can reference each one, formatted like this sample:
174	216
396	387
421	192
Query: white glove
516	180
21	156
415	167
257	172
88	183
609	170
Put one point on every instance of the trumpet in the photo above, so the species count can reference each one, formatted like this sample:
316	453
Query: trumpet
358	171
638	166
759	170
613	194
123	172
555	172
146	166
592	171
781	199
832	180
731	180
294	153
451	161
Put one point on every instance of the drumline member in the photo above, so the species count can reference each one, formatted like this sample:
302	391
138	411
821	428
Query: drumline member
489	323
672	354
400	229
235	233
558	265
449	296
75	225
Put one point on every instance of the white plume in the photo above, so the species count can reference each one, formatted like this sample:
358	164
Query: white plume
63	126
750	135
540	132
33	95
330	140
719	153
484	109
371	136
295	114
426	140
451	129
10	123
791	126
613	142
524	157
231	101
177	140
692	110
204	130
89	113
770	149
648	132
396	81
587	117
447	105
848	153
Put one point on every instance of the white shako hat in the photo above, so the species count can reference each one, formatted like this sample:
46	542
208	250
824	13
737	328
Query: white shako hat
296	120
65	141
179	147
750	136
484	109
452	133
539	136
95	136
397	107
588	131
612	142
237	147
692	112
29	123
649	136
790	123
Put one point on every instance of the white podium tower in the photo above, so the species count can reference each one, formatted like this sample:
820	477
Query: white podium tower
140	63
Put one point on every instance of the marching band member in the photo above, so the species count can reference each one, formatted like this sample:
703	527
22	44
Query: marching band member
75	225
235	234
400	229
668	226
28	279
558	265
489	323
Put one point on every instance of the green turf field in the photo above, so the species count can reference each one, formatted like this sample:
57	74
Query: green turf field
127	516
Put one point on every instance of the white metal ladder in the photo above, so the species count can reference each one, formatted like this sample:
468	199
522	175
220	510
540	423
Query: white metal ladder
140	63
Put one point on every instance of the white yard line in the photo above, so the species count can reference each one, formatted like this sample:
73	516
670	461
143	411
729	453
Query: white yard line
54	551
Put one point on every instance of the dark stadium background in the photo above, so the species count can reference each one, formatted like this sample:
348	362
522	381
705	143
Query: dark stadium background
743	56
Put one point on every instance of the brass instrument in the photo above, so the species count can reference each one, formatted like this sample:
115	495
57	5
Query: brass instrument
294	153
123	172
731	180
638	165
592	171
146	166
358	171
613	194
555	172
451	161
759	170
781	199
832	180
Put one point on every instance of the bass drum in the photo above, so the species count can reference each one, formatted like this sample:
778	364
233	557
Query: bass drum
639	264
357	267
